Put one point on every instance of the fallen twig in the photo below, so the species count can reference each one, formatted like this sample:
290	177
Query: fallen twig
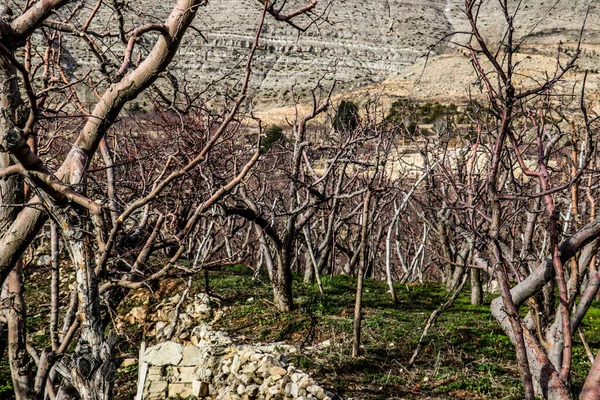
434	315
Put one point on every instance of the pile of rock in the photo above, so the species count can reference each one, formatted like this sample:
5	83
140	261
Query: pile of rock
197	309
212	367
170	320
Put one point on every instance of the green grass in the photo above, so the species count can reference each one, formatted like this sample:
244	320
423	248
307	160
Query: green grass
465	356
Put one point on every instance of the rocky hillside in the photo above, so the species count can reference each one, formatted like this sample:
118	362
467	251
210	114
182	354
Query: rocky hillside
361	44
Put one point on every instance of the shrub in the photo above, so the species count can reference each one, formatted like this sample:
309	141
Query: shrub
346	119
272	134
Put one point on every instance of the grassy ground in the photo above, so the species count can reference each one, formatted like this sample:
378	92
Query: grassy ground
465	356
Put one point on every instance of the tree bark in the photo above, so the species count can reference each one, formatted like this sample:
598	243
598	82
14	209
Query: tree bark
55	285
388	256
360	276
591	387
476	288
543	371
21	364
282	280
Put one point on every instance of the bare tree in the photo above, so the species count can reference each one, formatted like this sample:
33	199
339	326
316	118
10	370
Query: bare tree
525	171
97	227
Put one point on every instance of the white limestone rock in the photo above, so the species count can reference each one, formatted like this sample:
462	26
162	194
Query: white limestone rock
167	353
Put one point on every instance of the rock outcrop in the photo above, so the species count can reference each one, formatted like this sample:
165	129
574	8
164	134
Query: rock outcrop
357	43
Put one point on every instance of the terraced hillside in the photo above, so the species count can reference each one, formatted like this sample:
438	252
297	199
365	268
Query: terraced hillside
359	43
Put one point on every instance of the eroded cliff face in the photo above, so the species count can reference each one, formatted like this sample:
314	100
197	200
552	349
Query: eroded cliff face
357	43
362	42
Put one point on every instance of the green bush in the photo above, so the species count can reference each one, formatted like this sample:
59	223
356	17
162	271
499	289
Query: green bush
273	134
346	119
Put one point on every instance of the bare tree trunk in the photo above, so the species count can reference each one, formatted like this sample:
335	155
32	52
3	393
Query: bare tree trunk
399	253
362	249
510	308
54	295
110	179
11	194
20	234
309	270
19	359
542	369
90	369
3	338
388	258
11	199
417	263
313	260
591	387
266	252
282	282
476	288
448	270
282	275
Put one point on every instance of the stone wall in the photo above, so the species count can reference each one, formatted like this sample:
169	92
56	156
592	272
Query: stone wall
212	367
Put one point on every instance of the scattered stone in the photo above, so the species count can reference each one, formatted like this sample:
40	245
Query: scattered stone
136	315
200	308
203	336
283	359
241	390
128	362
44	259
291	390
200	389
245	378
184	336
159	329
273	390
155	373
317	391
252	390
187	374
217	315
157	387
305	382
278	371
235	365
204	374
